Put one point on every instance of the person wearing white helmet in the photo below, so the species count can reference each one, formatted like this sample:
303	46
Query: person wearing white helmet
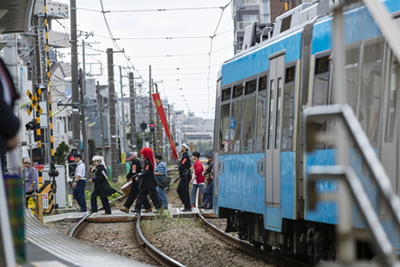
101	188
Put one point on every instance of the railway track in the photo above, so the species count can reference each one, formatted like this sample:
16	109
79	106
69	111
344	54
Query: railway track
246	247
153	252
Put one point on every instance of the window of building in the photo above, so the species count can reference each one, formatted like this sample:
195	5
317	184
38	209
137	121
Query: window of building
250	18
250	2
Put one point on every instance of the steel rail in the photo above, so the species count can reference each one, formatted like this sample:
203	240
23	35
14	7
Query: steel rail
84	220
151	250
246	247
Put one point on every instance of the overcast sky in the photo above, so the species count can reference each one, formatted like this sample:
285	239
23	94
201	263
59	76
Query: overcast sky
189	55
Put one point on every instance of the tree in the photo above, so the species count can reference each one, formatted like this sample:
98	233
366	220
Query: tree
61	153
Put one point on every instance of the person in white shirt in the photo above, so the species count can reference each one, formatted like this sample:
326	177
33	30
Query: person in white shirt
80	183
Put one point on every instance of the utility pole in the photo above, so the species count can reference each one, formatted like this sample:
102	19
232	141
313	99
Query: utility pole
74	78
133	110
169	127
150	108
113	129
100	102
123	143
84	132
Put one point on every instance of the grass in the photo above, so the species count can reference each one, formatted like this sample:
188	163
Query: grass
164	222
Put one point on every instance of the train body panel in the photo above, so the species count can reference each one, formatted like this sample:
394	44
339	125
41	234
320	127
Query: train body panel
240	185
270	72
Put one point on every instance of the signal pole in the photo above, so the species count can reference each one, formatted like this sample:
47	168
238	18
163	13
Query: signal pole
113	129
150	107
100	101
123	143
133	111
84	133
74	78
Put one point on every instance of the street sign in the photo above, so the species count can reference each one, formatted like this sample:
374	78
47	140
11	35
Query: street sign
45	198
39	166
34	101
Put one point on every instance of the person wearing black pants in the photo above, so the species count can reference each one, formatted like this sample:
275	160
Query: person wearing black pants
136	168
184	173
147	181
101	188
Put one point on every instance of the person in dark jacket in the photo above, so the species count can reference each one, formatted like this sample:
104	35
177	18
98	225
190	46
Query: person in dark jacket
208	191
136	168
147	181
10	122
184	173
101	188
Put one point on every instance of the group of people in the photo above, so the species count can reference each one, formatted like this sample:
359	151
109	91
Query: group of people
146	181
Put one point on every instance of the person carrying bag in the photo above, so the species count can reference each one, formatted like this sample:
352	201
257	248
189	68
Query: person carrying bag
162	180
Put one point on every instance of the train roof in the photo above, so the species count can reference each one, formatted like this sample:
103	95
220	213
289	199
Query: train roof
234	67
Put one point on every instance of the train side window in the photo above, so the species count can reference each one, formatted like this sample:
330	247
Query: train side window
238	90
262	83
249	123
235	126
370	95
261	114
352	71
394	84
288	110
224	129
321	87
271	113
226	94
278	114
250	87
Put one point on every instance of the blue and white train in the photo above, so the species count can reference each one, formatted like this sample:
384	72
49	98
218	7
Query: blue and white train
260	161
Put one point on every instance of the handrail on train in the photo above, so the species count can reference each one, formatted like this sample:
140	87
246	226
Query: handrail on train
344	113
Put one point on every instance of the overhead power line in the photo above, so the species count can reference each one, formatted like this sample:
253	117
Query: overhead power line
149	10
184	55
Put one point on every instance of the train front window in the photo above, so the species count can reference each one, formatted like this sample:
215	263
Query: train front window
235	126
224	128
249	124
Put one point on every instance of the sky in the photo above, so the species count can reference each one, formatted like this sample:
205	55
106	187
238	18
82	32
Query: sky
185	73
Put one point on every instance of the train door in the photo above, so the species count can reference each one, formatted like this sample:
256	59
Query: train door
273	164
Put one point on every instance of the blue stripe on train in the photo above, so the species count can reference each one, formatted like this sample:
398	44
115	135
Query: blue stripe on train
258	60
360	27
